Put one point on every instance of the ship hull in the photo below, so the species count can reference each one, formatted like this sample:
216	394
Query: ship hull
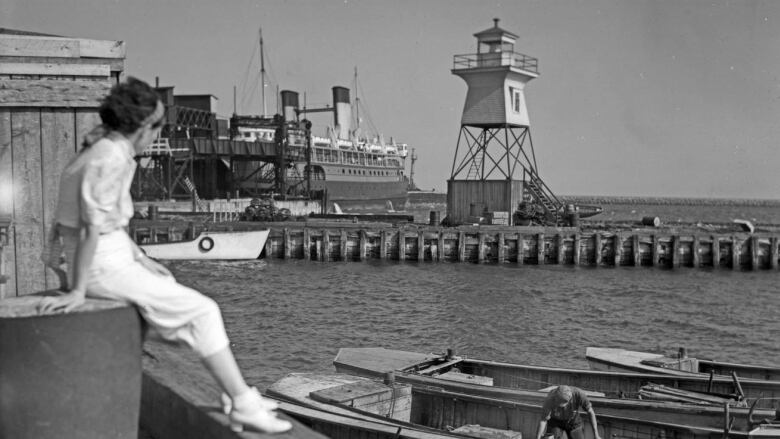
364	195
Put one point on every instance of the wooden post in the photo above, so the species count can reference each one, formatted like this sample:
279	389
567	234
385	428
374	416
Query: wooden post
441	245
269	247
560	252
617	250
401	245
306	244
325	253
287	249
576	249
597	248
675	251
461	246
635	249
695	251
480	247
773	252
715	252
420	246
540	248
755	263
735	253
654	249
383	244
343	245
501	248
363	241
520	249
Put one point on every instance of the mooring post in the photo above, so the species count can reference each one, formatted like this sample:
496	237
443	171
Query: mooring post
726	420
441	245
501	248
654	249
401	245
363	240
576	248
715	252
617	250
735	249
286	238
675	251
383	244
695	251
420	246
635	250
306	244
480	247
269	247
540	248
773	252
597	248
343	245
325	253
461	246
559	249
755	263
520	249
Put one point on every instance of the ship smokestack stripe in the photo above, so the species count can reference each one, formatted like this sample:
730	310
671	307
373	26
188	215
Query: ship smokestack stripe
342	116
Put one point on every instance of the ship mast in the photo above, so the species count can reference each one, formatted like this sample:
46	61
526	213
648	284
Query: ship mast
412	186
262	72
357	105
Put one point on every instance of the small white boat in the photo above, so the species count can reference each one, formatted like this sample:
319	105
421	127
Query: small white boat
212	245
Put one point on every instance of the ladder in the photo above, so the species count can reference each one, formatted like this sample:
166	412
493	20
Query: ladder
542	194
197	202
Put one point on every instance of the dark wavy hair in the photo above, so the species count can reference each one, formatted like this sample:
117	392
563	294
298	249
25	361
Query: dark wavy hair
128	104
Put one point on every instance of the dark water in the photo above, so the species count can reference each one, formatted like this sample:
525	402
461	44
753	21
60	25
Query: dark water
293	316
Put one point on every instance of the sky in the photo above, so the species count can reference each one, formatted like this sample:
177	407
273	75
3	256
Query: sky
661	98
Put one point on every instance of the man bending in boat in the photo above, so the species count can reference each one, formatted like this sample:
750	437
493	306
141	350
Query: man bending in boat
561	410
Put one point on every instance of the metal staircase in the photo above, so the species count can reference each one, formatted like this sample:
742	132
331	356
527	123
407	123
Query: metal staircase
542	195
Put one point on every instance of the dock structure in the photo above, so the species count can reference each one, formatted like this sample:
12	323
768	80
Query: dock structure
568	246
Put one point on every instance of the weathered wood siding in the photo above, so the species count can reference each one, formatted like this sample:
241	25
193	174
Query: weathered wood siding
51	90
495	195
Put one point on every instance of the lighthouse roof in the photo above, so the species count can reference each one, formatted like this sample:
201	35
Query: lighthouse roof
495	33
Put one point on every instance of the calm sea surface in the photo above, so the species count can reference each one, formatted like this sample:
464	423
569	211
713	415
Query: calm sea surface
293	316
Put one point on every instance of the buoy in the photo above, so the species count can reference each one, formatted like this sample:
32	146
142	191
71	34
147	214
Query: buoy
653	221
206	244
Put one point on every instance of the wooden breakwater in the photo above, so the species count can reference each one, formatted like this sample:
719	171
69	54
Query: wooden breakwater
345	241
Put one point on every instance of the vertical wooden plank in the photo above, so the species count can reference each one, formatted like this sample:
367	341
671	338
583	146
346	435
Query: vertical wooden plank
480	247
520	249
401	245
715	251
325	253
28	201
540	248
675	251
560	251
86	120
773	253
286	243
363	243
635	250
735	251
383	244
7	189
306	244
654	249
461	246
576	249
597	248
501	248
441	244
695	251
755	264
420	246
58	147
617	250
343	245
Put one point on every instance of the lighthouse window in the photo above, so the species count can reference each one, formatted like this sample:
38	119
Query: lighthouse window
515	93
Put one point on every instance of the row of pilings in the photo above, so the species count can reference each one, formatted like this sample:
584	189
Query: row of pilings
329	242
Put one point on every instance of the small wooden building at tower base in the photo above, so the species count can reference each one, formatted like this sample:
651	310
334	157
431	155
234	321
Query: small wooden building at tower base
469	199
51	89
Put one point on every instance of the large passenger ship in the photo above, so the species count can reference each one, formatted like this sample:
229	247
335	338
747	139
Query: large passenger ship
354	171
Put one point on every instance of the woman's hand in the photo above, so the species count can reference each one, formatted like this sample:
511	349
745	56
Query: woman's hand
154	266
63	303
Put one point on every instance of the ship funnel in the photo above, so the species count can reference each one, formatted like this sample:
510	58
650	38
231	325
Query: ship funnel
342	115
289	105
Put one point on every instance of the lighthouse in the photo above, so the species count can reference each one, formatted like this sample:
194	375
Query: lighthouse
494	168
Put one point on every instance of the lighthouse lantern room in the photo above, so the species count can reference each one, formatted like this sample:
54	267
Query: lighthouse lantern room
494	145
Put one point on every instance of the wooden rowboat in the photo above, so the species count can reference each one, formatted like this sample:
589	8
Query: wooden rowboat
245	245
612	359
528	384
433	410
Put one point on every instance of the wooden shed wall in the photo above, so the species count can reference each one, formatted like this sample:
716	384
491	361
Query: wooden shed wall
496	195
51	90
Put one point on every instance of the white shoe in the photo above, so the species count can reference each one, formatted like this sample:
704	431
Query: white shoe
249	413
227	403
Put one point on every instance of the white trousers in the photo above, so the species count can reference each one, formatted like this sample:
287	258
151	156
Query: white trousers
174	312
